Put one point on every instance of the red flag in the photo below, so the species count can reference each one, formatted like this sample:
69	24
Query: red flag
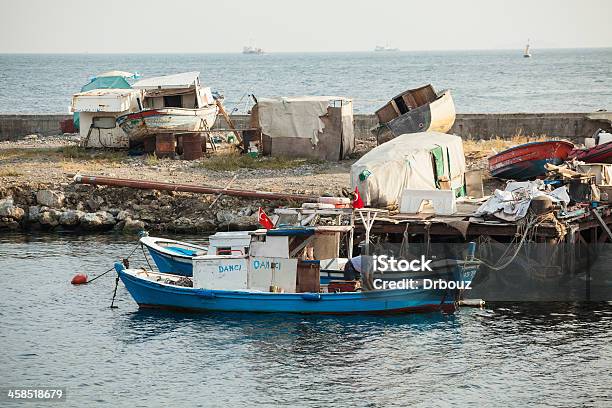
264	220
358	202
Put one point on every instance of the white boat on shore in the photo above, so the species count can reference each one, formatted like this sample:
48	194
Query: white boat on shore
171	104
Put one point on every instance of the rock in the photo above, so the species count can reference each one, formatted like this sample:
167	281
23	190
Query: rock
91	221
224	216
122	215
240	223
106	218
49	218
8	223
9	210
50	198
94	203
114	211
30	137
133	225
33	213
203	224
70	218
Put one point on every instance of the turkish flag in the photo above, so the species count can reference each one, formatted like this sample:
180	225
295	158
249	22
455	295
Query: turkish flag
357	202
264	220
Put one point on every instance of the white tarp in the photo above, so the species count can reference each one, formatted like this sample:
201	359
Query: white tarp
294	117
176	81
512	203
406	162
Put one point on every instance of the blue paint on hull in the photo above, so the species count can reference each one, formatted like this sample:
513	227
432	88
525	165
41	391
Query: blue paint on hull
177	265
153	294
526	170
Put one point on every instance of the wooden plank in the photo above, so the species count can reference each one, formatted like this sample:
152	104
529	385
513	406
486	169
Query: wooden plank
602	223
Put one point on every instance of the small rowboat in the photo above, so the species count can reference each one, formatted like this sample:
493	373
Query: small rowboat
172	256
165	291
597	154
528	161
176	257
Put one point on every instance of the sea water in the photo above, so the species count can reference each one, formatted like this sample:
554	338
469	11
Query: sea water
561	80
56	335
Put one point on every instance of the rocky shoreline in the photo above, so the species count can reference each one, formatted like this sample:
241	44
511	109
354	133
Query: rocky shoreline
86	208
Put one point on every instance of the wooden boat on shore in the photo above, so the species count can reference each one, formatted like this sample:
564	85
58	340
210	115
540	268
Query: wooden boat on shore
415	110
597	154
527	161
171	104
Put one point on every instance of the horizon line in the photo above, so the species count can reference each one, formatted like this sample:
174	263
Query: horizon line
290	52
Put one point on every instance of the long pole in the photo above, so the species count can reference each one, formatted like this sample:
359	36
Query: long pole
188	188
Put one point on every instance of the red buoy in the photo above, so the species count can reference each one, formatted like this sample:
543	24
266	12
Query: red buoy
79	279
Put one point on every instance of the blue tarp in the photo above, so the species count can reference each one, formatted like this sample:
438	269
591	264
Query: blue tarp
110	82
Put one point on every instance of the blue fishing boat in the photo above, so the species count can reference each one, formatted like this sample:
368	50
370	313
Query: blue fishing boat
153	290
276	273
171	256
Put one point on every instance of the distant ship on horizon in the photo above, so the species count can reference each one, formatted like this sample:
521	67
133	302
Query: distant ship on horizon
379	48
526	53
249	49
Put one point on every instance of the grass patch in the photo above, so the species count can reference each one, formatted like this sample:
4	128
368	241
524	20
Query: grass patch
235	161
496	145
64	152
9	173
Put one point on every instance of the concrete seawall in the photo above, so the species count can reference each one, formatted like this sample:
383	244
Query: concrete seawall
573	126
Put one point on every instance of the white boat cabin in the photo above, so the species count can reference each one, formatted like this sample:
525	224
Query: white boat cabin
175	91
98	111
282	260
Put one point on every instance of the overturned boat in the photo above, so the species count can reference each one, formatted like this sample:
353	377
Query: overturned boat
528	161
170	104
415	110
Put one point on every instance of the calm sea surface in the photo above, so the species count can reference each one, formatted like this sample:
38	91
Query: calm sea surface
575	80
54	334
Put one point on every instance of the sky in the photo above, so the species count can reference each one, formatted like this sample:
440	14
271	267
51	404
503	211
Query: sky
201	26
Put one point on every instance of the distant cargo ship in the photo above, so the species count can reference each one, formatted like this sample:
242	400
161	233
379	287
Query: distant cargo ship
252	50
385	48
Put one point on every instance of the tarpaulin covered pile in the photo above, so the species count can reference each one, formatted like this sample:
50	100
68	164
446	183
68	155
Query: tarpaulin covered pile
414	161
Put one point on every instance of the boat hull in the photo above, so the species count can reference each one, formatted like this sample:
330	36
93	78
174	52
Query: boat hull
438	115
597	154
171	256
528	161
149	122
150	294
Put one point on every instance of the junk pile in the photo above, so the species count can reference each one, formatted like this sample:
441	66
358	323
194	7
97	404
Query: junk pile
319	127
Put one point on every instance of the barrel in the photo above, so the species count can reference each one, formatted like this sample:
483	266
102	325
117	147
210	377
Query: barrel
165	144
192	146
149	144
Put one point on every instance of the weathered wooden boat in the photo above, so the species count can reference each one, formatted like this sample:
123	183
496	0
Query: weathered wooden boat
597	154
176	257
150	122
164	291
415	110
171	104
527	161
